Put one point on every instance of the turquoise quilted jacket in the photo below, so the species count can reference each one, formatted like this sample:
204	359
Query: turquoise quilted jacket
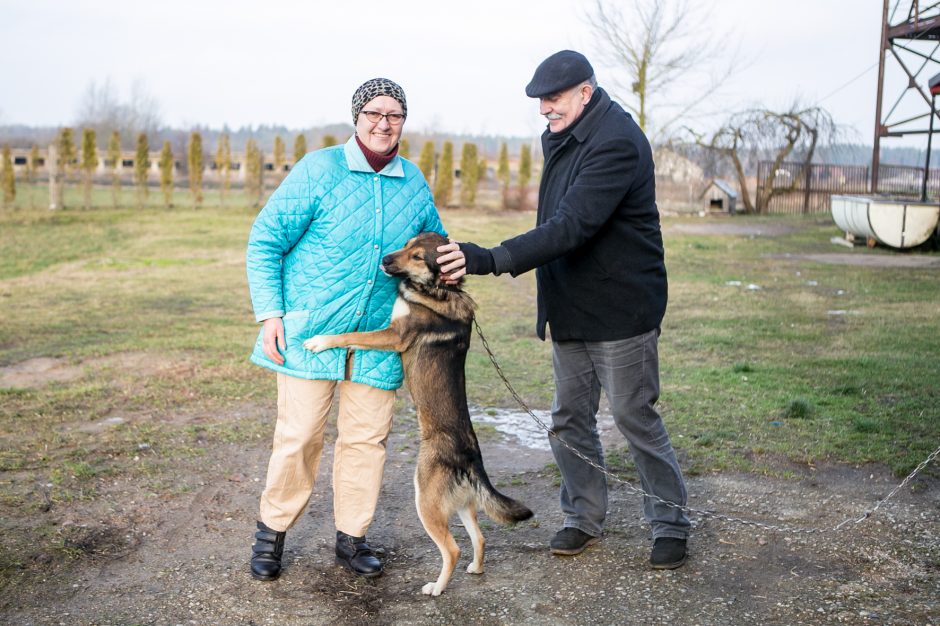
314	253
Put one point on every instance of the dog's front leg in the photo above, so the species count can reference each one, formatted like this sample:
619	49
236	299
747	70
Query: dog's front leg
385	339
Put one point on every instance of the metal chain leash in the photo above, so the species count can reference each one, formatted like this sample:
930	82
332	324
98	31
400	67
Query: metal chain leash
687	509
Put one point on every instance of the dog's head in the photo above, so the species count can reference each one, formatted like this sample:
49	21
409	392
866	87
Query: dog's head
417	261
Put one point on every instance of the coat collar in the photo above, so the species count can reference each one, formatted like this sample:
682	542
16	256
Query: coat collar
582	130
356	161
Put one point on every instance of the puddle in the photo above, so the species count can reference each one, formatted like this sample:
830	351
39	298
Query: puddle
516	424
519	426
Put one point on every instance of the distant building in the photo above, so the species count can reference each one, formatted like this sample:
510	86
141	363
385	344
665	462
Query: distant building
673	167
126	165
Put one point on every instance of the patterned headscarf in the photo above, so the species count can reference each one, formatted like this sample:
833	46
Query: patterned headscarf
373	89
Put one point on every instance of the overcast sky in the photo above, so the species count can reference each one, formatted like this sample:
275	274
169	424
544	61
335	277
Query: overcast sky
463	65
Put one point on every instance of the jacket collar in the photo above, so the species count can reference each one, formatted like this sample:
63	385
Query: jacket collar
356	161
582	130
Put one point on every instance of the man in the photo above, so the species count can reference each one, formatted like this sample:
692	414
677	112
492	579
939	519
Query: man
602	292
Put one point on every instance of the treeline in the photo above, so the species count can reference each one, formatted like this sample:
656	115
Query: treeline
20	136
72	159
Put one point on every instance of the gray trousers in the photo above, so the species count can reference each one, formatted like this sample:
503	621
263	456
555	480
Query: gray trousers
628	372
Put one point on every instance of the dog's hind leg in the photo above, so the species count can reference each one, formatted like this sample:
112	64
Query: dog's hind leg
435	522
468	516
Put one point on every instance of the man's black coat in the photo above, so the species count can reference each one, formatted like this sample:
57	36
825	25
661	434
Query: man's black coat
597	244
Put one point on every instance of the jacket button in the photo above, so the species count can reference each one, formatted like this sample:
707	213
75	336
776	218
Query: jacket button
358	312
369	282
376	246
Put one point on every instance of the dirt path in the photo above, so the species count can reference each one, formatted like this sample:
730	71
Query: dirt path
183	559
860	258
179	555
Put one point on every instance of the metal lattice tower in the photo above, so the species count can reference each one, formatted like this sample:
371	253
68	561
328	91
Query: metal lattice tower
910	55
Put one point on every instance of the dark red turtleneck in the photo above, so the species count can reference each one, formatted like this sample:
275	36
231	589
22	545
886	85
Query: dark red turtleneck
377	161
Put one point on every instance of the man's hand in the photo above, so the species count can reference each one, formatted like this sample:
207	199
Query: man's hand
452	263
273	339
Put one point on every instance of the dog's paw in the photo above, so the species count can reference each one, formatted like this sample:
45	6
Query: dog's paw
431	589
473	568
317	343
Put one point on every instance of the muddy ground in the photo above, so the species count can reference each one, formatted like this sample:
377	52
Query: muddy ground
180	555
183	559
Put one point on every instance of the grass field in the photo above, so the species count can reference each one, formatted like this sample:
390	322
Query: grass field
822	363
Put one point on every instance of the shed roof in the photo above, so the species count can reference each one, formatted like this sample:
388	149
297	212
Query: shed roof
723	185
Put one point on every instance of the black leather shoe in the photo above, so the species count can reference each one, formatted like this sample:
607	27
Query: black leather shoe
266	553
668	553
569	541
356	555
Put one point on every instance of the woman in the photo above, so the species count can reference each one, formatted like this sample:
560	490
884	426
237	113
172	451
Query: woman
313	268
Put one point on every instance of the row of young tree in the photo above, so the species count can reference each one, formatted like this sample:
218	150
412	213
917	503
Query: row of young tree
438	170
71	161
80	162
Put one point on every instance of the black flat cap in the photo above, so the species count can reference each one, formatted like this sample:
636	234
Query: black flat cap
559	72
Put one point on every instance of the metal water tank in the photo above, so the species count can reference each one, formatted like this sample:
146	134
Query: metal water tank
893	222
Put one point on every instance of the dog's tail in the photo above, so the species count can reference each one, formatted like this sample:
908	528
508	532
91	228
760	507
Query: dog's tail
499	507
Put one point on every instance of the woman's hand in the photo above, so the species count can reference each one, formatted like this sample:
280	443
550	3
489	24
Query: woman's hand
273	339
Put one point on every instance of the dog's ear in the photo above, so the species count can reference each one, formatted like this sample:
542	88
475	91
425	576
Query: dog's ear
430	257
430	242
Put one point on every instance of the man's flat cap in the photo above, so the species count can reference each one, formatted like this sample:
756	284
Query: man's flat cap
559	72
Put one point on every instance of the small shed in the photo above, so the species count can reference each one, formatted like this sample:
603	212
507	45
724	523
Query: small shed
720	196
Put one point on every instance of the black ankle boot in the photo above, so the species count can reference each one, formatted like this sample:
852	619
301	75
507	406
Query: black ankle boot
355	554
266	553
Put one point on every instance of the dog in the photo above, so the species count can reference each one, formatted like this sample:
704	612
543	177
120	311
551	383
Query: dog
430	327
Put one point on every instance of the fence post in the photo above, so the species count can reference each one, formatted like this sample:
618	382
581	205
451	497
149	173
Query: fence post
759	186
807	181
55	190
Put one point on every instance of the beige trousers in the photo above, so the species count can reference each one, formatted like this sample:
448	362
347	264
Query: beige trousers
365	418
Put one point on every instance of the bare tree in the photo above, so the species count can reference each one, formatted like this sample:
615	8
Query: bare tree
143	109
100	108
777	136
657	50
103	110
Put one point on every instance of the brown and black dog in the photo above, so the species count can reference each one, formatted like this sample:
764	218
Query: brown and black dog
431	328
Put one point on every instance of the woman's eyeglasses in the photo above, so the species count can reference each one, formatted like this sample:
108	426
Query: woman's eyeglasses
393	118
